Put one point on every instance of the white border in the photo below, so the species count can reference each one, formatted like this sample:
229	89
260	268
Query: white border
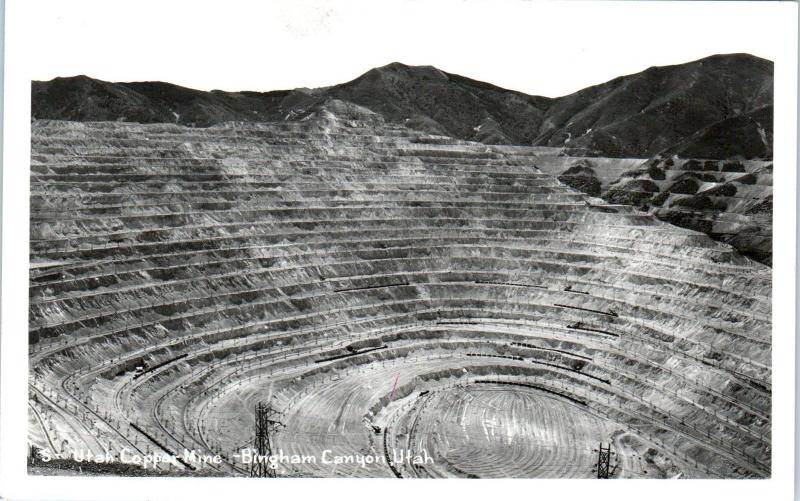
15	484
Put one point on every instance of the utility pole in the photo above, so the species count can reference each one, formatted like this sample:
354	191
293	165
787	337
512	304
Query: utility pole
266	427
603	460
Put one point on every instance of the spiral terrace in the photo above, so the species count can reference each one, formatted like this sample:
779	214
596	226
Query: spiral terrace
385	290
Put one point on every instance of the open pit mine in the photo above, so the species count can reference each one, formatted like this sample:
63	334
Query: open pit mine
360	299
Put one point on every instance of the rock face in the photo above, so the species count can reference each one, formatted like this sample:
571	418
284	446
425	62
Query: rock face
718	107
729	200
384	289
582	177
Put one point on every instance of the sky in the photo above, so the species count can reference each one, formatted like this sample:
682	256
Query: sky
542	48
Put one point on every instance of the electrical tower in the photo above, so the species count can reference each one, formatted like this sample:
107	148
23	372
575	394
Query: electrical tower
603	461
266	426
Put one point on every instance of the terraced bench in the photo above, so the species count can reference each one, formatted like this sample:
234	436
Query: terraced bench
243	263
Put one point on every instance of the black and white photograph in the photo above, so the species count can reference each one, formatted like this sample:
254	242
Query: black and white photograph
383	242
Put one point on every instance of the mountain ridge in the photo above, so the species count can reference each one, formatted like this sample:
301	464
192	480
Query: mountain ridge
662	109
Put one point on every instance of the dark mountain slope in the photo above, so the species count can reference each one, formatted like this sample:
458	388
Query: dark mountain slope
84	99
632	116
751	132
422	97
429	99
640	115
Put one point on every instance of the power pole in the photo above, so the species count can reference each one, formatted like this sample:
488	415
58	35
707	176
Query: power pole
265	427
603	460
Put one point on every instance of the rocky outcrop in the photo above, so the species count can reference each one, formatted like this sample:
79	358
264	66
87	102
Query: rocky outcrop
582	177
729	200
